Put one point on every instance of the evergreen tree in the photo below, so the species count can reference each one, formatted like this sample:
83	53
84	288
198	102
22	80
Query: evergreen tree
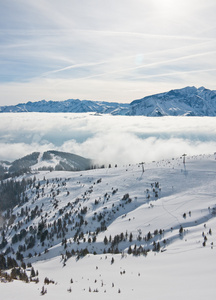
105	240
33	272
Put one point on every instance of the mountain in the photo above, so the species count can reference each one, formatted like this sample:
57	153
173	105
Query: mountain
113	232
49	160
71	105
188	101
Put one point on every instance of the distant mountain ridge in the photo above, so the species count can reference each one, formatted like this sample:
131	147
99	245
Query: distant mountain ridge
71	105
188	101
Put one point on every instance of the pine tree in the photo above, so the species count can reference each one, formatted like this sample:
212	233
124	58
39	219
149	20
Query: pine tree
181	230
33	272
105	240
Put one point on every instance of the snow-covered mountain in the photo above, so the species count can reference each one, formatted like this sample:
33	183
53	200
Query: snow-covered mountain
188	101
49	160
114	232
71	105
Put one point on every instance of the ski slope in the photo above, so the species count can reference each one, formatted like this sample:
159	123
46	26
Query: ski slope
167	196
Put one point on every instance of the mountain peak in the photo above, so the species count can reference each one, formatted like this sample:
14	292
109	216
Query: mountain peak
202	88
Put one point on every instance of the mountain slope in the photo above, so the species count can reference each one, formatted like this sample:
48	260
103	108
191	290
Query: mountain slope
188	101
112	231
85	207
49	160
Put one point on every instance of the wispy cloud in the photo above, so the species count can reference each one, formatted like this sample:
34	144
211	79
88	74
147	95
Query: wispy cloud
139	58
180	73
149	65
118	42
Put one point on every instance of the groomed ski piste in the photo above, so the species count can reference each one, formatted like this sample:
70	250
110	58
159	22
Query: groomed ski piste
159	221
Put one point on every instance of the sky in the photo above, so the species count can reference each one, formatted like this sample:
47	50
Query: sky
104	50
106	139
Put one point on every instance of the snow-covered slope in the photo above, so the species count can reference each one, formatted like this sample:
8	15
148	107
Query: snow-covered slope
188	101
126	230
51	160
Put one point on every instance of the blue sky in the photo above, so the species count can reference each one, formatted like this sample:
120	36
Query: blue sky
104	50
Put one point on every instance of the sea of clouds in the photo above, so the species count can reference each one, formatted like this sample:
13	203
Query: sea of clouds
106	138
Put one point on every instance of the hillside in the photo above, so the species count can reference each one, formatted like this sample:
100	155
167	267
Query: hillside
90	230
188	101
48	160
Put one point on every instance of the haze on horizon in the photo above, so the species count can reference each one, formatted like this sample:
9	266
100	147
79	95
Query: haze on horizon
113	50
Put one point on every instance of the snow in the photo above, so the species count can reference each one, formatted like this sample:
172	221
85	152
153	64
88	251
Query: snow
183	269
183	275
181	102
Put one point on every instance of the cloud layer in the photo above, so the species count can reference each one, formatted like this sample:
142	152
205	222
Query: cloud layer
107	139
